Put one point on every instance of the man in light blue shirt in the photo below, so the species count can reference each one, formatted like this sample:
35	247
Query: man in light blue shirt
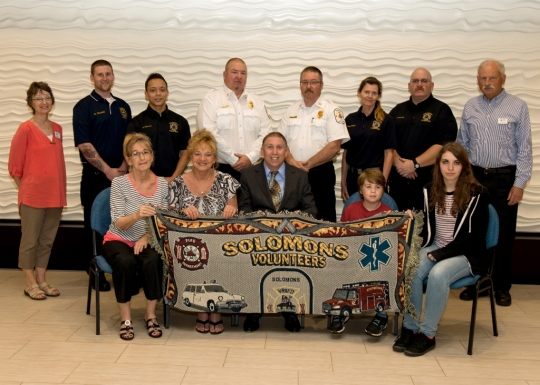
496	131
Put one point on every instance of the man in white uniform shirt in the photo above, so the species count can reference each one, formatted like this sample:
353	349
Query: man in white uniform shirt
315	128
237	118
496	131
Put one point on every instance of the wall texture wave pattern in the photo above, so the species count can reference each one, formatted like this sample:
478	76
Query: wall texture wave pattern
189	43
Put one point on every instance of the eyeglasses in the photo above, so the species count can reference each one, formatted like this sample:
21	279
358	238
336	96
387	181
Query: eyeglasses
313	83
40	99
423	81
144	153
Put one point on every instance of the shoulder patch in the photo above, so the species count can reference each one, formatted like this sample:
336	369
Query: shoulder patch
338	114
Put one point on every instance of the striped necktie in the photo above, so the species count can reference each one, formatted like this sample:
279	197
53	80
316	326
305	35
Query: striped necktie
275	190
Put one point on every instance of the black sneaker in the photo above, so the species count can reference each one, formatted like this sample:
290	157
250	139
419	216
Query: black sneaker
377	325
420	345
404	340
337	326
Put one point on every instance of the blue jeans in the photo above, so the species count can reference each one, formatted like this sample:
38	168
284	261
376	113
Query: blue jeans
441	275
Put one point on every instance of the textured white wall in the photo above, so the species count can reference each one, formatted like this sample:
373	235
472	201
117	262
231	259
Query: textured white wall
189	42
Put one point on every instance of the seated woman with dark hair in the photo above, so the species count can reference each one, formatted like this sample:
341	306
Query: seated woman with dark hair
125	246
456	219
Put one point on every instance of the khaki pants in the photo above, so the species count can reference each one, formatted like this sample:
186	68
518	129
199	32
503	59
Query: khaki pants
38	228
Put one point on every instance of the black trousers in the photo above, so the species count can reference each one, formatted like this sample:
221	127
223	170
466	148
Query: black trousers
227	168
125	266
499	185
408	193
92	183
322	180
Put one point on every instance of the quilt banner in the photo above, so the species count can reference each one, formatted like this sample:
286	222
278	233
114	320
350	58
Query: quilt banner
270	263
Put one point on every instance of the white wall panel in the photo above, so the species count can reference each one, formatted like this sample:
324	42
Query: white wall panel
189	43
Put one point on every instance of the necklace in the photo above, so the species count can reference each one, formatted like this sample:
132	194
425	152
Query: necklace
205	183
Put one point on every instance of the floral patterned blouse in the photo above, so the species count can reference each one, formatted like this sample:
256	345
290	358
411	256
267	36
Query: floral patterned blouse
213	203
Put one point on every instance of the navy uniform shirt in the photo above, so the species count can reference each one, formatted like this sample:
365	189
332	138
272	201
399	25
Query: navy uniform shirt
169	134
369	139
102	124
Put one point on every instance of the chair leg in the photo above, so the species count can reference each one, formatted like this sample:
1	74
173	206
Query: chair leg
396	323
235	319
493	312
166	314
473	322
302	320
89	298
98	313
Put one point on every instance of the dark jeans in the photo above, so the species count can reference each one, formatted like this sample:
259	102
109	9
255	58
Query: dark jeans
322	180
125	266
499	185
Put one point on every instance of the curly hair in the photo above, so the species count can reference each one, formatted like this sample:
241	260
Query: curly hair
465	185
200	137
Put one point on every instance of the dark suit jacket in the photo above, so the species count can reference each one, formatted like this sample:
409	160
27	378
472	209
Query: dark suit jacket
255	195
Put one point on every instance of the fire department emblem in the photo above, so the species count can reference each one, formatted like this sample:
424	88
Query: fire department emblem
173	127
191	253
375	125
427	117
338	114
123	112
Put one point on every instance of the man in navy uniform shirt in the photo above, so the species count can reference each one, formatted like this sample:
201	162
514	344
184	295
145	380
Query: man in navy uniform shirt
99	127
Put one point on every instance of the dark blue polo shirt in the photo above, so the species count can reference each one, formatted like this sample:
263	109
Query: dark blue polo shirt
169	133
103	125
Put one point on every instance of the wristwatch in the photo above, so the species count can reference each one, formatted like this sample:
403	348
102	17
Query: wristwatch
416	164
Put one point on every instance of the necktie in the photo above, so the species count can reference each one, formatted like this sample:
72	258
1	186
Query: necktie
275	190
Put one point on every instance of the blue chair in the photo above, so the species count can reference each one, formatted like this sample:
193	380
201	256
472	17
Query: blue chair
100	219
386	199
492	237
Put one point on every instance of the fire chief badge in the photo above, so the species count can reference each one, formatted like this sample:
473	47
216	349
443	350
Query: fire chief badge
191	253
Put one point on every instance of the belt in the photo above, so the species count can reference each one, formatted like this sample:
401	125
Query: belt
496	170
358	171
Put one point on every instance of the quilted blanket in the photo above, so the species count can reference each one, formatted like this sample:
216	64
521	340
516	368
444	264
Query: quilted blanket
270	263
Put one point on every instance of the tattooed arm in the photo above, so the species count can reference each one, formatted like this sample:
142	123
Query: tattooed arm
92	156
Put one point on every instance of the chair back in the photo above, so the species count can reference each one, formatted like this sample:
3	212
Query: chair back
386	199
100	216
492	235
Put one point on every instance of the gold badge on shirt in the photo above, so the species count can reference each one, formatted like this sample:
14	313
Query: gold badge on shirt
338	114
427	117
123	112
375	125
250	104
320	114
173	127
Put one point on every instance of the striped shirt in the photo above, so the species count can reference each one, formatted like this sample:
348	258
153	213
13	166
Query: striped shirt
125	200
497	133
445	223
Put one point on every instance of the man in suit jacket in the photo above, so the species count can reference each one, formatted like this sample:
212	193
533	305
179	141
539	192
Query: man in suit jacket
259	193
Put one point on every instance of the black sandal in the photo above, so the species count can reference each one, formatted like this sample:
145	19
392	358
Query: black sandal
214	324
153	327
204	331
126	331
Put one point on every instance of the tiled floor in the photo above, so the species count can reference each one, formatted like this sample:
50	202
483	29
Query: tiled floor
54	342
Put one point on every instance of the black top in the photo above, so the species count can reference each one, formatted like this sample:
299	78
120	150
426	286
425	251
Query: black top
103	125
369	139
420	126
169	133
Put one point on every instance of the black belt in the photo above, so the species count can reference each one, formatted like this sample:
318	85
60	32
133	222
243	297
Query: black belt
358	171
497	170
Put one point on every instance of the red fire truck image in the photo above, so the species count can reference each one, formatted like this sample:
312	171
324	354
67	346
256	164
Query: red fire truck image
357	298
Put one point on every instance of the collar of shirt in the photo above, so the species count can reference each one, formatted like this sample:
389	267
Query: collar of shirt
420	106
497	99
280	176
361	114
319	104
153	114
232	96
98	98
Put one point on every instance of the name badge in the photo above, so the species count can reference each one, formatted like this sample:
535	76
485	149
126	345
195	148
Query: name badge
502	121
57	135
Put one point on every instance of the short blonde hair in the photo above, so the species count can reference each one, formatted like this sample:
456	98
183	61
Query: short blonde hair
131	139
202	136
